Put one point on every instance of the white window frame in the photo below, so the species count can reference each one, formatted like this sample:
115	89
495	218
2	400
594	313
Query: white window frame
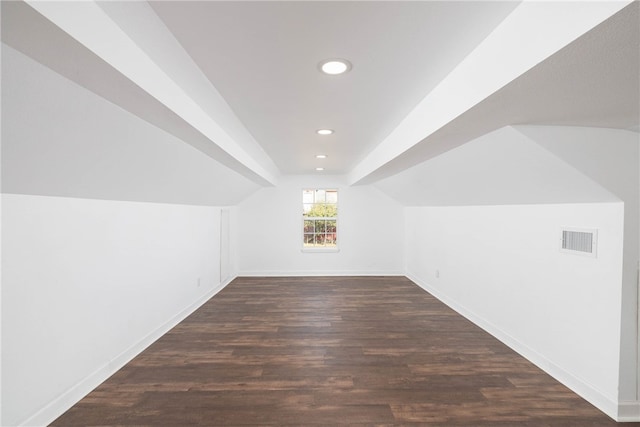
306	218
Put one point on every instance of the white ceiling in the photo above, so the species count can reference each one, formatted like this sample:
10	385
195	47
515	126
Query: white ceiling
592	82
252	67
263	56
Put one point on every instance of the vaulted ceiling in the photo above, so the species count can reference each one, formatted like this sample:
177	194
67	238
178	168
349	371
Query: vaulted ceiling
240	80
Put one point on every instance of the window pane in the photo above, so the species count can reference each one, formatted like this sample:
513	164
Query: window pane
331	226
308	239
308	226
322	210
320	196
307	208
332	196
330	239
307	196
319	239
329	210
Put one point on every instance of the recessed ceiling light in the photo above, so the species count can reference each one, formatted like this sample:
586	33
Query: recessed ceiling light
335	66
324	131
321	156
319	169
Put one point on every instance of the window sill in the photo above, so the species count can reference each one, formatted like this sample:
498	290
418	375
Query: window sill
320	250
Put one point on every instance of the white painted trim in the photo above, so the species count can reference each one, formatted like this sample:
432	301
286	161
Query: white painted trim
598	399
223	285
305	273
628	411
66	400
320	250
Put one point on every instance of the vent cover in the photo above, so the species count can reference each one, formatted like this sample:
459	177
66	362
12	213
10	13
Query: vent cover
579	241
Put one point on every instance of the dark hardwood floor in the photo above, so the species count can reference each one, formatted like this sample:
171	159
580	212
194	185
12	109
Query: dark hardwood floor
330	351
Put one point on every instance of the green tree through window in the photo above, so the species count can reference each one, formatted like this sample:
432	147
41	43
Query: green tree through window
320	218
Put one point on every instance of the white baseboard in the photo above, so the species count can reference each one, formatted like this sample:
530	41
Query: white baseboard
303	273
61	404
224	283
580	387
629	411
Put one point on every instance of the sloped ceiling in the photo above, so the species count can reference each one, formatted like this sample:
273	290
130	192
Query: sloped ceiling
592	82
239	80
502	167
60	140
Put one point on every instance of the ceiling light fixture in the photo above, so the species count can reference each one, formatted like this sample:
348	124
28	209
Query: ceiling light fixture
335	66
319	169
324	131
321	156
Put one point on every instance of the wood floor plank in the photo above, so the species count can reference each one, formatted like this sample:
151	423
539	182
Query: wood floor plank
361	351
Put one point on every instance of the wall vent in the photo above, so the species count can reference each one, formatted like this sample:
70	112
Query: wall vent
579	241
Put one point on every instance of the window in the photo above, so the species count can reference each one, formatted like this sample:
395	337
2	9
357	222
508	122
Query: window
320	218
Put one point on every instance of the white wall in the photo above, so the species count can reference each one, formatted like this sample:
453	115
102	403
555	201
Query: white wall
86	284
370	232
609	157
108	226
501	267
571	172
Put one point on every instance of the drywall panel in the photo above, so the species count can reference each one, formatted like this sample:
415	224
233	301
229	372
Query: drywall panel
59	139
86	285
501	167
607	156
501	266
610	158
370	233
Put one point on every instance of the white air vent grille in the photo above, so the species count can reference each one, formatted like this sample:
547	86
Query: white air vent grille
579	241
